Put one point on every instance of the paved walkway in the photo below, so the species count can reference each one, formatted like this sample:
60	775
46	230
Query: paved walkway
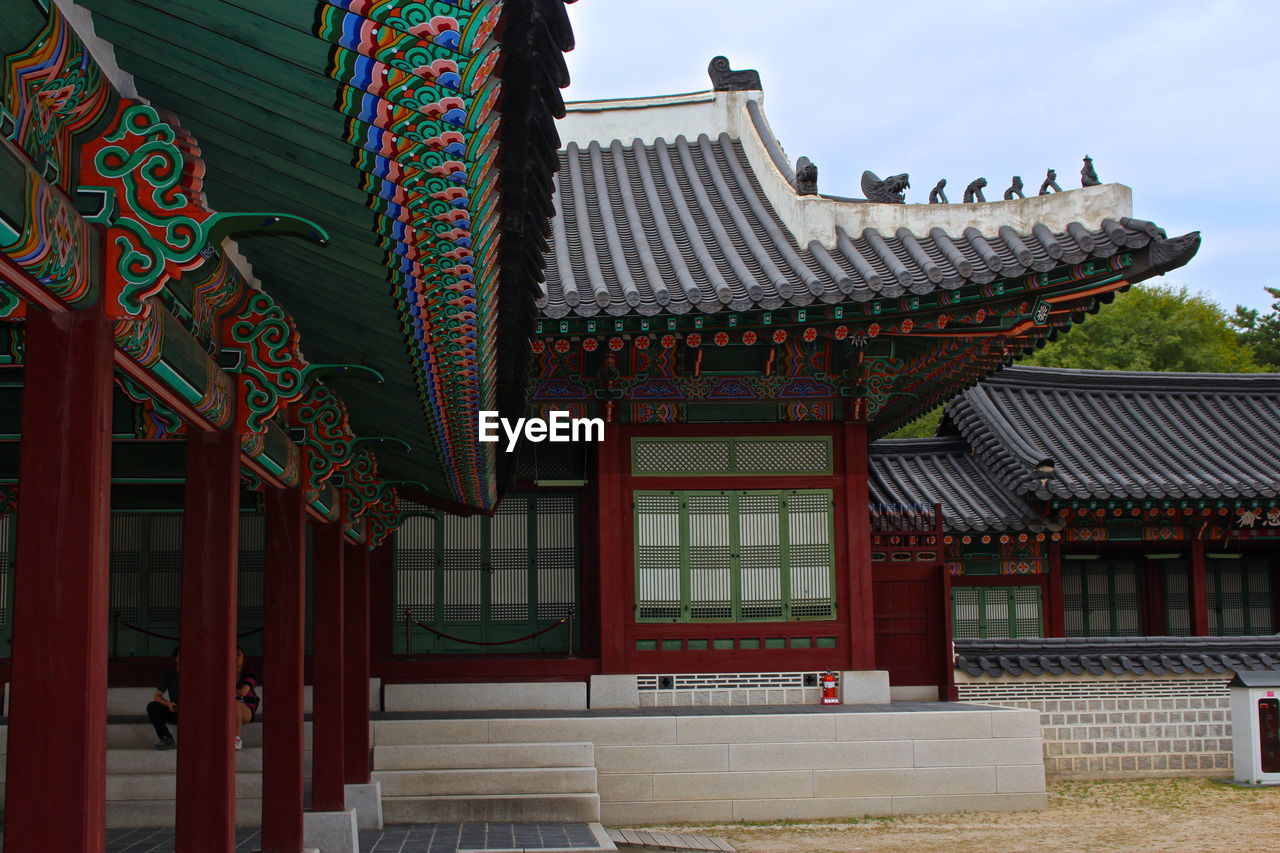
419	838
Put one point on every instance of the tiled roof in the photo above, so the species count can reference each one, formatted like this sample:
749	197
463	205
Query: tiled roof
1117	655
683	224
940	470
1115	434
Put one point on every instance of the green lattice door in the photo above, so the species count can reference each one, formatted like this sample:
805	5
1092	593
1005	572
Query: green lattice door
1101	596
734	556
486	583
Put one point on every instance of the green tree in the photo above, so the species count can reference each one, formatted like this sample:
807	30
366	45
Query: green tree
1261	331
1157	328
1154	327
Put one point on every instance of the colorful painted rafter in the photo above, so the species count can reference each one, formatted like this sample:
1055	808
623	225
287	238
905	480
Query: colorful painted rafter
419	92
147	174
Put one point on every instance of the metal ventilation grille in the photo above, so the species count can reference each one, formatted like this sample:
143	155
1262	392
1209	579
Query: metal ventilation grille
729	456
989	612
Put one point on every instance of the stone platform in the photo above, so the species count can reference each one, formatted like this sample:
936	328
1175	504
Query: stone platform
712	764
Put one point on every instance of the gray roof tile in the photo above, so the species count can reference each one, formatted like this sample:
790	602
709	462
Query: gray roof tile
683	225
940	470
1118	435
1117	655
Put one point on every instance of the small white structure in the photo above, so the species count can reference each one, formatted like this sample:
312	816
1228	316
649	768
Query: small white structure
1255	726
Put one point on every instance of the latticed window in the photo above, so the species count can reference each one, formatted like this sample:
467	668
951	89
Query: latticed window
1239	595
1100	597
763	456
982	612
487	580
734	556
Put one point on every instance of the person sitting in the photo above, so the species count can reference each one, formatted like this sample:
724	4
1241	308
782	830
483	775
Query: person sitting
161	711
245	706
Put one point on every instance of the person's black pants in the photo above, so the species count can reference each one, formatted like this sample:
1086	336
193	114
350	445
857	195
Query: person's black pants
159	715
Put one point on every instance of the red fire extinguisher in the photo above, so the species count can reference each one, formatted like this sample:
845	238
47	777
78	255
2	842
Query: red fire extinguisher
829	695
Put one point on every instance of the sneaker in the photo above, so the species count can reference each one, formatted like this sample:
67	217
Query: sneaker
239	744
165	743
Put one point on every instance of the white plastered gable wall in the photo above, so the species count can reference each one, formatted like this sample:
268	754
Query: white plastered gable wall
815	217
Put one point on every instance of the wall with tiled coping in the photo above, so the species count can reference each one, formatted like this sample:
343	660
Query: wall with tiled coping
1101	726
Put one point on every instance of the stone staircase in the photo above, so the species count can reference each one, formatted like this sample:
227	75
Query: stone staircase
142	782
452	781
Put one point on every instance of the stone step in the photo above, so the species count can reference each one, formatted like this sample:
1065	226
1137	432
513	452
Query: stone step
151	813
458	756
486	781
515	696
511	807
162	786
128	701
151	761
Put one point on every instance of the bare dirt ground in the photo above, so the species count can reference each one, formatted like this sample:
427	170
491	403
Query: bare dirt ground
1129	815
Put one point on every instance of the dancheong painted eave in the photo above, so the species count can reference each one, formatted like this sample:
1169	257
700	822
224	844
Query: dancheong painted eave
421	136
688	203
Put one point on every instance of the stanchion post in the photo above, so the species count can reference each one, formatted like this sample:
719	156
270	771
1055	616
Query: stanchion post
408	633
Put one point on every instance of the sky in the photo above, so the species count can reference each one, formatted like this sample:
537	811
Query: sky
1178	99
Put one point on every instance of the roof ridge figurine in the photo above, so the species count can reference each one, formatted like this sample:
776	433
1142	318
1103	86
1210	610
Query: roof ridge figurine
973	192
726	79
1050	183
806	177
892	190
1088	177
1015	189
936	195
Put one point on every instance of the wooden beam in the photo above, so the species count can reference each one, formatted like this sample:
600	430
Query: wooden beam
56	775
206	808
284	637
615	560
327	669
355	661
857	530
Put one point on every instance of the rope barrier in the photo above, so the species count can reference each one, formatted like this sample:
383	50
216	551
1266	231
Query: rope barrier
142	630
409	613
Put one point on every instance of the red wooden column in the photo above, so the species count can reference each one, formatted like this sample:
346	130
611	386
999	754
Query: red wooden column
327	670
284	643
1055	614
206	808
862	622
1199	590
355	682
614	559
56	776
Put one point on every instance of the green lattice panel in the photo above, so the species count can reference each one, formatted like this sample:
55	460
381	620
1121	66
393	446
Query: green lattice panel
996	612
760	555
762	456
1239	591
1100	597
1177	598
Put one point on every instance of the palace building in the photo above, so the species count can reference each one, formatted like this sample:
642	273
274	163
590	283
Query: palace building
263	267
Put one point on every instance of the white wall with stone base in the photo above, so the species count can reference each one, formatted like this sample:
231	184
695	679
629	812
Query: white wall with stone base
1120	726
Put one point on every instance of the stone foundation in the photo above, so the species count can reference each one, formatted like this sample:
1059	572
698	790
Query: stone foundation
1120	726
